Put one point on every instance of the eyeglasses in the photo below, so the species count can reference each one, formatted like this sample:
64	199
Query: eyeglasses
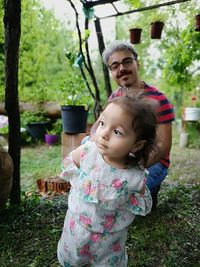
126	62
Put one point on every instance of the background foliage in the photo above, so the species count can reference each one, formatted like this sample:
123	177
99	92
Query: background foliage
47	72
44	67
171	63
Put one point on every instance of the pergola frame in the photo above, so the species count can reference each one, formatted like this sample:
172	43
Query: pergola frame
87	5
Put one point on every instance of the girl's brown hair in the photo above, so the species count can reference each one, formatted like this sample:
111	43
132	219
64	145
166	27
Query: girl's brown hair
144	123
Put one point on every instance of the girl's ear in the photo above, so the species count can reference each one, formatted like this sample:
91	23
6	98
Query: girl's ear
138	146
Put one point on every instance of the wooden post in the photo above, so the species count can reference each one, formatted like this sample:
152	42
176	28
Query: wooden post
70	142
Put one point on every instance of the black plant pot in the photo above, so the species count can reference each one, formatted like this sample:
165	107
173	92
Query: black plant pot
74	119
37	130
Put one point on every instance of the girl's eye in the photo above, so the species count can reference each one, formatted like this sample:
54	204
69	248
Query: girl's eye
117	132
101	123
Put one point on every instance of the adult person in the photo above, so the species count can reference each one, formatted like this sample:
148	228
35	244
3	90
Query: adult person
122	60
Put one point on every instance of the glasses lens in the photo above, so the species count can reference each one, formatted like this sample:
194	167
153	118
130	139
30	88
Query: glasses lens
114	66
125	62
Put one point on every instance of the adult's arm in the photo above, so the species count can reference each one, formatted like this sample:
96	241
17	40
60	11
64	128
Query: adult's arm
163	143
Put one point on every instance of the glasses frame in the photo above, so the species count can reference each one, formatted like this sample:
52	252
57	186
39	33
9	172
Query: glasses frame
126	62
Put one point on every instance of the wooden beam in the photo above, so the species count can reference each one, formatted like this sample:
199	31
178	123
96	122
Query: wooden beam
145	8
89	4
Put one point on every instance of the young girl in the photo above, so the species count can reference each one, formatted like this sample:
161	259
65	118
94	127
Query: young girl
108	185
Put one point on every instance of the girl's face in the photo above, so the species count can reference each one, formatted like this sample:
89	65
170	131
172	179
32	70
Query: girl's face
115	137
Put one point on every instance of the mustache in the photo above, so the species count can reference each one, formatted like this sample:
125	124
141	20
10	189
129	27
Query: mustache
122	73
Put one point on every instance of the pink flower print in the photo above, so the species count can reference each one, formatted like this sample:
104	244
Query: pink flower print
87	187
133	200
65	247
116	183
102	186
67	161
116	246
83	153
95	168
95	237
109	221
85	220
93	191
84	250
71	224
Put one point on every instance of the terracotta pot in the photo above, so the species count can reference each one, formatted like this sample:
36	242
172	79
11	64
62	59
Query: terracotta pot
197	17
56	184
135	35
6	177
156	29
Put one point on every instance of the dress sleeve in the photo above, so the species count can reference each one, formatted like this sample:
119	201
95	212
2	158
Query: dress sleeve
140	204
69	169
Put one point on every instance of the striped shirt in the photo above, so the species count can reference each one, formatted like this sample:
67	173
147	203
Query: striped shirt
165	110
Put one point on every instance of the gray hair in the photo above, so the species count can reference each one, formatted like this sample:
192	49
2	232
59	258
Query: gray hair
117	46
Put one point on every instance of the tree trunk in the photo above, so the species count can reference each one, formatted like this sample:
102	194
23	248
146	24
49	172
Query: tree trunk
12	39
101	49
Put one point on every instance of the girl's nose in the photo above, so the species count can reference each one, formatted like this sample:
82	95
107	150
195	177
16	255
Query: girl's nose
105	134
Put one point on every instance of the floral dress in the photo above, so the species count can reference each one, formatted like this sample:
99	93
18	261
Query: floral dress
102	202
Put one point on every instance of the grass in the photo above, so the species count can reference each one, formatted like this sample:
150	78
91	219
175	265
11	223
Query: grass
167	237
39	161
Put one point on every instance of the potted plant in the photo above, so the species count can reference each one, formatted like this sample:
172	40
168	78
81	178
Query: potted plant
75	106
36	124
157	24
52	136
135	31
135	35
197	20
191	111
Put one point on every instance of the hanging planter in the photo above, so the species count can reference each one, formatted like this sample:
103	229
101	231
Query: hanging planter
197	28
156	29
135	35
74	119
